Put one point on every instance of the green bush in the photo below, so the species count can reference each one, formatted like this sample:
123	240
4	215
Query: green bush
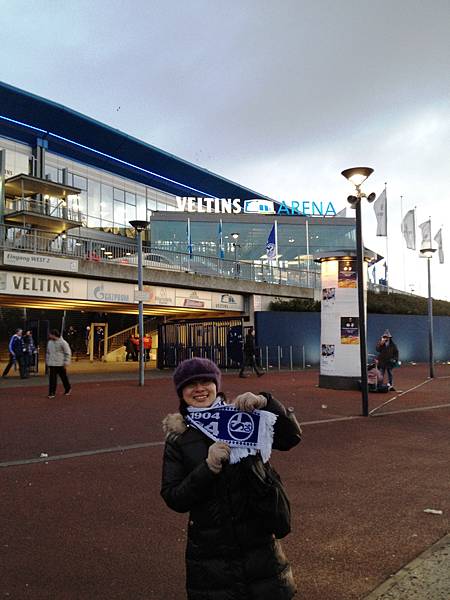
382	303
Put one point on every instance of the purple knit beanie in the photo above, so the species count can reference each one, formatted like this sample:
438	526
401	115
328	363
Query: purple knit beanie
195	368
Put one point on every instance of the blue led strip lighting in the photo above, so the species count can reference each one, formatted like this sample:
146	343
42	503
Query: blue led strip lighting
119	160
24	124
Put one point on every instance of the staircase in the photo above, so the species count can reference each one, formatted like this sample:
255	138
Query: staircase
116	341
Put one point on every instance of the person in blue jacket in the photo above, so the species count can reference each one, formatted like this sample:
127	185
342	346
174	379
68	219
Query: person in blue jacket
16	349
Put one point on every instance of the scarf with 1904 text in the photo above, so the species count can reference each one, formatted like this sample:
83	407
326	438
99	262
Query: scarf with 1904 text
245	432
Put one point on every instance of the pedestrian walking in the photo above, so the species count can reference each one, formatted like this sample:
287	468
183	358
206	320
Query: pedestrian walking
16	349
58	358
248	357
387	357
235	522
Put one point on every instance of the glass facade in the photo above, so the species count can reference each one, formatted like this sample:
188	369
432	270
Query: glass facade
107	201
298	238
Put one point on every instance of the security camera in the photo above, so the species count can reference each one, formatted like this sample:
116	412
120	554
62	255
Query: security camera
353	201
371	197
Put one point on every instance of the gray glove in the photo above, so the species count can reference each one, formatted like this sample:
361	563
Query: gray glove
218	453
248	402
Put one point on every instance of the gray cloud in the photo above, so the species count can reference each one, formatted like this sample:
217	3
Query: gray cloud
279	96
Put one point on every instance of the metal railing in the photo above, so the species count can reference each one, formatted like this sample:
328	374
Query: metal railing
117	340
44	208
270	358
123	253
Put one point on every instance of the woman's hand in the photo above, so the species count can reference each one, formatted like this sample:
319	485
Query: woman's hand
248	402
218	453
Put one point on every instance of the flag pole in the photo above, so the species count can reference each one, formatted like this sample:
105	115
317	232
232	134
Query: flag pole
387	245
403	248
307	252
276	243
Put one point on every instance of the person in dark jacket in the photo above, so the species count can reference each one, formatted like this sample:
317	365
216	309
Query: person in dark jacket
231	554
16	349
249	358
130	349
387	356
30	351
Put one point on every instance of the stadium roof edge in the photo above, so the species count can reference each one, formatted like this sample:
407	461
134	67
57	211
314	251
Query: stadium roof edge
125	144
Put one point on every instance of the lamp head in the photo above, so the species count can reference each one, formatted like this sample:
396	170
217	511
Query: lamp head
427	252
357	175
139	225
353	201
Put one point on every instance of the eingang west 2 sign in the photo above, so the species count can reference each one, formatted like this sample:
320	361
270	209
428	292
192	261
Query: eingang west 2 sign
255	206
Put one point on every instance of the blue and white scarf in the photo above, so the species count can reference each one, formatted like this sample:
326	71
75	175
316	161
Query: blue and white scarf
245	432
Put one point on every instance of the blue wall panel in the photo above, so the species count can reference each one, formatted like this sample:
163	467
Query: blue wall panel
410	333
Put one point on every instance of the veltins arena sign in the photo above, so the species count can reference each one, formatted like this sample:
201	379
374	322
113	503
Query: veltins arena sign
255	206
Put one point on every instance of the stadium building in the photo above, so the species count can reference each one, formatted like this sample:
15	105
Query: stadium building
69	187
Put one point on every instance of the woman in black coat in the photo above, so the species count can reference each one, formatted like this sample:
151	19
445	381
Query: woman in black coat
387	356
231	554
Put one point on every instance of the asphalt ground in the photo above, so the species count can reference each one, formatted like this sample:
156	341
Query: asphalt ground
87	522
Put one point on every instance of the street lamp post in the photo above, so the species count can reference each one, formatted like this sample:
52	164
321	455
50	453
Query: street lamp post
235	237
428	254
357	176
139	227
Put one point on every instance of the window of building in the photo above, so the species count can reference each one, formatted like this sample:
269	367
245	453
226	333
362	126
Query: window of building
119	194
130	198
80	182
107	203
119	213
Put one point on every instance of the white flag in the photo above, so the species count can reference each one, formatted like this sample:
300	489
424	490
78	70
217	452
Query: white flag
342	213
409	229
426	234
380	208
438	240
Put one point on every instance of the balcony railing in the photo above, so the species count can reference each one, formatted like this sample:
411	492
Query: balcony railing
43	208
122	253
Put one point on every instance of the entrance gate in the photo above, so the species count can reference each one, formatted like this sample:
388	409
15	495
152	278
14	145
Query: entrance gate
220	340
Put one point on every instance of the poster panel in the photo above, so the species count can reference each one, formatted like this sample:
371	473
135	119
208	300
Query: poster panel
327	359
347	273
349	330
328	297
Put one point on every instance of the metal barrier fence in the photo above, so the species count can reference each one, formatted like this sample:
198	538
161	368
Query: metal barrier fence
269	358
76	246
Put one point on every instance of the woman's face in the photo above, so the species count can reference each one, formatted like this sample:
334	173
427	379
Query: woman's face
200	393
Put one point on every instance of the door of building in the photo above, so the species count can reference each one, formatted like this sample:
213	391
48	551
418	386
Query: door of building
179	340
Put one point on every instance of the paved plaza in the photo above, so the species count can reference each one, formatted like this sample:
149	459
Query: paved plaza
82	518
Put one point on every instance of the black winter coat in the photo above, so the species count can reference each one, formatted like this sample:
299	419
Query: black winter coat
387	354
229	554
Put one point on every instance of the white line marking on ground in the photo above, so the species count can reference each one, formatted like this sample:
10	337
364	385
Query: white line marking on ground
407	410
30	461
333	420
399	395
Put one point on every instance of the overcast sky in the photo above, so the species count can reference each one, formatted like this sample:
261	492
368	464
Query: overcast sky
279	96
